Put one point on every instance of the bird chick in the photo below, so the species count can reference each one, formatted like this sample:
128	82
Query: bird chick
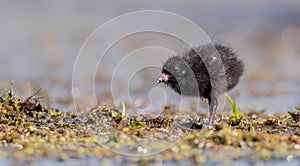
206	71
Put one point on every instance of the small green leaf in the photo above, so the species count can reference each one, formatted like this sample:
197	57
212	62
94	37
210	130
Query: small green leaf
123	110
235	110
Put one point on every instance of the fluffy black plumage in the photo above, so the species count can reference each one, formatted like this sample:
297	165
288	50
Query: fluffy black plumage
206	71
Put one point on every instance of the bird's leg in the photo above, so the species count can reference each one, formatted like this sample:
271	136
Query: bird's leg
213	104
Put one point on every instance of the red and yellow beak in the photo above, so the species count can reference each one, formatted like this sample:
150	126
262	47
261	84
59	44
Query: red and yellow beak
163	78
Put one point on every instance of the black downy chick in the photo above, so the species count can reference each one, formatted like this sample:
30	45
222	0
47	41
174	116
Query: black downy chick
206	71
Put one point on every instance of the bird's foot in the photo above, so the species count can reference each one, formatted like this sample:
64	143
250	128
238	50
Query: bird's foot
196	125
202	125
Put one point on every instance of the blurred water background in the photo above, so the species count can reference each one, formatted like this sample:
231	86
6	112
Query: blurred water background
41	39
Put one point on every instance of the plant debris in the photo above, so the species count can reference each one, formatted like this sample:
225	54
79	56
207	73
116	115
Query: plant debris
30	130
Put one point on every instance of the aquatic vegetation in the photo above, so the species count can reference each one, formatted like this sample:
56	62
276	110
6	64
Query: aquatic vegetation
236	116
295	115
30	130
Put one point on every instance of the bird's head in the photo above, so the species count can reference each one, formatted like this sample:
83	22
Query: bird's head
163	78
174	69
